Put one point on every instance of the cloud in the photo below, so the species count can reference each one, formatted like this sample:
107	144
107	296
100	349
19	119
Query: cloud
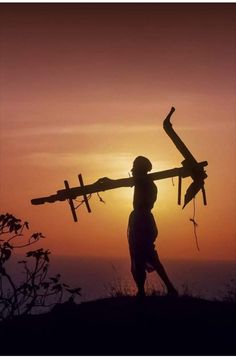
107	129
69	159
102	128
117	163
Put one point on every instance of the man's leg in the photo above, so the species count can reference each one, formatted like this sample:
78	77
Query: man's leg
139	275
163	275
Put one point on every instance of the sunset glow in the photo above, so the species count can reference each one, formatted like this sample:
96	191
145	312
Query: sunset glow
85	89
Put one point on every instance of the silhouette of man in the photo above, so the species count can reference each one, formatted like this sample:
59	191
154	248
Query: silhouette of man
142	229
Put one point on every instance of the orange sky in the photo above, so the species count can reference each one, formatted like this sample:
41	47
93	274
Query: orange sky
85	88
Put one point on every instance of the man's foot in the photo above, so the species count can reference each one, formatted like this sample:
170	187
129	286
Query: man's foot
141	293
172	292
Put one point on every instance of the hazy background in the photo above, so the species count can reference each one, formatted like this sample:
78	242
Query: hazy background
84	88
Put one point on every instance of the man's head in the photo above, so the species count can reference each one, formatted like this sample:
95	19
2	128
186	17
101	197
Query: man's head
141	166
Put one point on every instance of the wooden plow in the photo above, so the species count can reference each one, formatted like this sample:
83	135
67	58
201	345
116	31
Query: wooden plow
190	168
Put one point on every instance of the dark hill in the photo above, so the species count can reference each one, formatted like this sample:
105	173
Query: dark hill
125	326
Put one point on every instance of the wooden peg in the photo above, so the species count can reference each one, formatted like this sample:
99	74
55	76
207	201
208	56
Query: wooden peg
71	201
179	190
84	195
204	196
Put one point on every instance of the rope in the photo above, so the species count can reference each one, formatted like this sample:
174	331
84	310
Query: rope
81	202
100	198
88	197
195	224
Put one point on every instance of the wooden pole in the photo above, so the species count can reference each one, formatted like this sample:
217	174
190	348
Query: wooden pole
105	184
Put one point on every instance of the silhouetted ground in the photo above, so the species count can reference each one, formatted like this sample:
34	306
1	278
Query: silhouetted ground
125	326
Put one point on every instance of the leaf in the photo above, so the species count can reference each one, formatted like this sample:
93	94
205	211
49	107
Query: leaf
2	270
27	225
45	268
11	227
7	254
74	291
29	254
77	291
66	285
7	245
57	287
54	279
5	219
17	228
45	285
26	286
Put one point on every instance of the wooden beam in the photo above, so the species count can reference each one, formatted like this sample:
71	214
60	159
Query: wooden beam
106	184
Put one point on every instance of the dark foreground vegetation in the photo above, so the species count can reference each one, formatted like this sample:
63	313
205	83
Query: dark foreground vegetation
121	325
125	326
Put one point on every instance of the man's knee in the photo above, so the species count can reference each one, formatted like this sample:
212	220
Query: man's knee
158	265
139	274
